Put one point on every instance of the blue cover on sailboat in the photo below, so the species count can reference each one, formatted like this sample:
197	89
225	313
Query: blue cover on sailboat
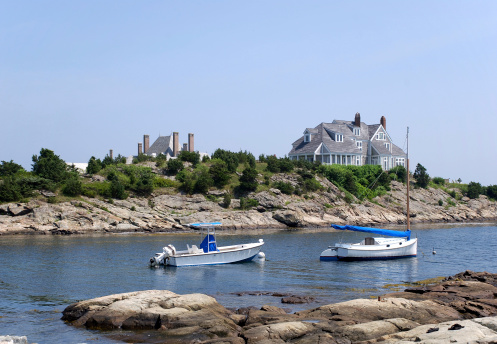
209	244
380	231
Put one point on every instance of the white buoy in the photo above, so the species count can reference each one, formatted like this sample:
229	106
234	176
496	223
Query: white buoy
261	255
434	252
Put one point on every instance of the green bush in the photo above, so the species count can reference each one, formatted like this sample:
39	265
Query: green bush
72	187
248	180
227	200
312	185
440	202
246	203
187	156
219	173
50	166
400	173
230	158
286	188
160	182
203	179
174	166
474	190
9	168
10	190
117	190
94	165
421	176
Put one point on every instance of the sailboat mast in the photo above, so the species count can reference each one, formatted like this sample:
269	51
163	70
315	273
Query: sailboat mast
408	185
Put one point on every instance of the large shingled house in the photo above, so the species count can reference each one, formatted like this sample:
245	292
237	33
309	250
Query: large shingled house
349	143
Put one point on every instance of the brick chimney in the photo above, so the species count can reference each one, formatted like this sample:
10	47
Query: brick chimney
357	119
139	148
185	147
111	154
190	142
175	143
146	143
383	122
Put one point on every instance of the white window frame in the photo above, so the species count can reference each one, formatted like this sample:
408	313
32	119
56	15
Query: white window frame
338	137
380	136
357	131
359	144
307	137
387	144
358	160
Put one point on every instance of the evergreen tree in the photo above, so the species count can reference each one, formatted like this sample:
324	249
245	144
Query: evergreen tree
50	166
421	176
248	181
9	168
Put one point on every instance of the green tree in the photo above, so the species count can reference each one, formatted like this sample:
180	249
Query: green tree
117	190
230	158
203	179
492	191
174	166
421	176
474	190
50	166
72	187
192	157
9	168
187	180
94	165
401	173
248	180
219	173
438	180
10	190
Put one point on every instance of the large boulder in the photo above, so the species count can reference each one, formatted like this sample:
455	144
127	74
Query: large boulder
195	316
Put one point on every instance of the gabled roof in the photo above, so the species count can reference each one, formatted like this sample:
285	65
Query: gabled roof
324	133
163	145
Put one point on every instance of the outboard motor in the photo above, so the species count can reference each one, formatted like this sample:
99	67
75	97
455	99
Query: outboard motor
160	258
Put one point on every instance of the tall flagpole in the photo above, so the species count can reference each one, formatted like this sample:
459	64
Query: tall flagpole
408	185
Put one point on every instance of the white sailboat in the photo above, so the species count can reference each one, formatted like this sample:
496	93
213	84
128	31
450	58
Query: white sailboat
208	253
399	245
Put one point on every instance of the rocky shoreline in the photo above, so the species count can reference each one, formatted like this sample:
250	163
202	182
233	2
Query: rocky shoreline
460	308
171	213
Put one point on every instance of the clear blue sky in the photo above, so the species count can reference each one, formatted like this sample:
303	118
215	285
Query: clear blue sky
83	77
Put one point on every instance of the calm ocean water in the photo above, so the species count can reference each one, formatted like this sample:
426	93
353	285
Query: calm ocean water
41	275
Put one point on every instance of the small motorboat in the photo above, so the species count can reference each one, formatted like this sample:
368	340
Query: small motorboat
399	245
207	253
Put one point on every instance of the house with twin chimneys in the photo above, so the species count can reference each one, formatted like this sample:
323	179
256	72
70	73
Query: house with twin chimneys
167	145
349	143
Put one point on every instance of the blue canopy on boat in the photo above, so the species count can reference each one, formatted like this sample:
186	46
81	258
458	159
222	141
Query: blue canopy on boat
380	231
209	243
205	224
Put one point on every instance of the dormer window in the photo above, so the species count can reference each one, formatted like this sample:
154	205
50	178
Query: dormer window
380	136
307	137
338	137
357	131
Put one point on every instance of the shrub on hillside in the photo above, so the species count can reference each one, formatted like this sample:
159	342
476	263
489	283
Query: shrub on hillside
474	190
192	157
400	173
286	188
421	176
248	180
230	158
438	181
219	173
72	187
50	166
174	166
9	168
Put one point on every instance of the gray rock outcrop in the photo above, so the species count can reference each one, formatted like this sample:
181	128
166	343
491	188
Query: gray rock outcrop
439	313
